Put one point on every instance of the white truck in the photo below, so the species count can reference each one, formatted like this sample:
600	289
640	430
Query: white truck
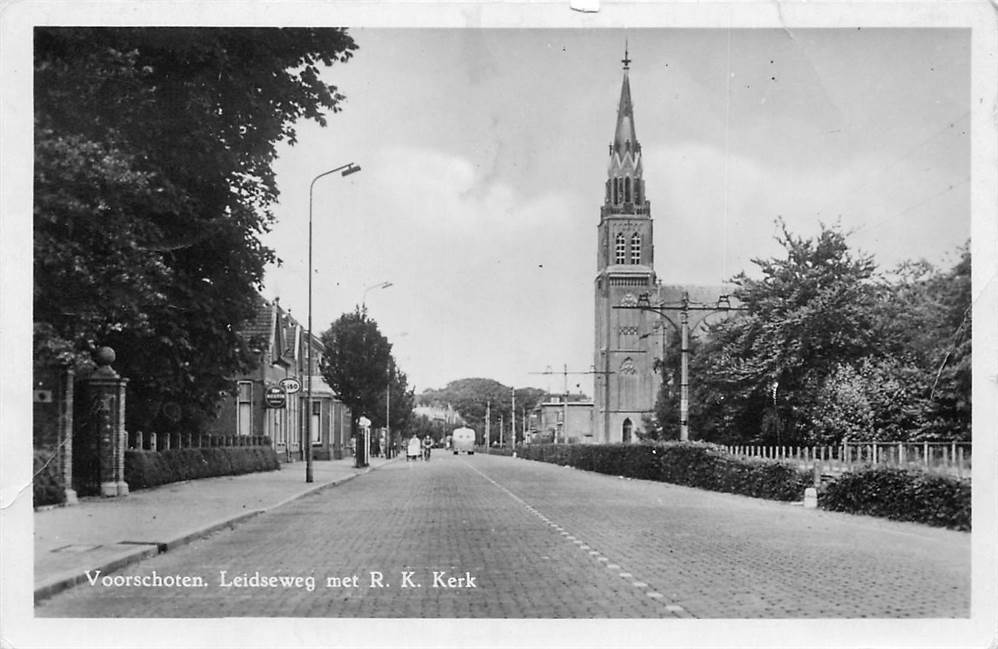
463	439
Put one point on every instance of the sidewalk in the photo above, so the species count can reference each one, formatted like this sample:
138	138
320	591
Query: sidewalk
108	533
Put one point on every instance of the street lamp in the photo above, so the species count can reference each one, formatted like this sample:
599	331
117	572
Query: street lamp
363	299
345	170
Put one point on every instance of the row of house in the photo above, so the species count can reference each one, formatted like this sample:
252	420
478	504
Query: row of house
281	345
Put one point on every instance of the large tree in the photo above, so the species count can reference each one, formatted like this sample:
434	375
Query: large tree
759	375
357	364
829	349
153	182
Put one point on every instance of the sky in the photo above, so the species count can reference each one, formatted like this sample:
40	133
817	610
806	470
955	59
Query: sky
484	156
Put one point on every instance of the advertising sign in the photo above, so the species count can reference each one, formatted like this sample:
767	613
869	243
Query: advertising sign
275	397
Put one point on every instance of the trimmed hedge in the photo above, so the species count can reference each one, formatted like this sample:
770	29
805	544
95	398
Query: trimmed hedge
902	495
48	484
884	491
145	469
692	464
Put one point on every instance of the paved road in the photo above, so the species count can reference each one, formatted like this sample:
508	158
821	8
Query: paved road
497	537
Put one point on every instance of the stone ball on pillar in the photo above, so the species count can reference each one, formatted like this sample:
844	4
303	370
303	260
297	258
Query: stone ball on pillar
104	356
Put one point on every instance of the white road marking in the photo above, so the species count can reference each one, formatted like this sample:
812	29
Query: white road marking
672	608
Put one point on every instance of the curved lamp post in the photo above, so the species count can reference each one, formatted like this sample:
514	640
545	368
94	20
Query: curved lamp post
345	170
363	299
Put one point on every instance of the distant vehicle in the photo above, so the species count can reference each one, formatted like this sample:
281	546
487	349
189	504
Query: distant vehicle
463	439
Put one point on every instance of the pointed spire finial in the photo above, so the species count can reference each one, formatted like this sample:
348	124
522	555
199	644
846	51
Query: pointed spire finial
626	60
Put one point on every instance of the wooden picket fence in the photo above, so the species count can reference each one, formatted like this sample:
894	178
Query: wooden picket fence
948	457
166	441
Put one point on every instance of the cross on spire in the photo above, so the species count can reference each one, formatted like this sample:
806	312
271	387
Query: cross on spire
626	60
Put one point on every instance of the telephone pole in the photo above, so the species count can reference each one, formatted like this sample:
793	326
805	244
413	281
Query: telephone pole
683	308
512	414
488	422
564	417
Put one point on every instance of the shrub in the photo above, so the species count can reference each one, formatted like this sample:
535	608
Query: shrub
145	469
48	484
692	464
901	494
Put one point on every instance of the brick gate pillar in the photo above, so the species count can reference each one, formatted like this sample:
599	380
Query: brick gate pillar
106	395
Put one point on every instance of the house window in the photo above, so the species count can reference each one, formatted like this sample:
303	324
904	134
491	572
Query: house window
316	412
244	408
636	248
621	250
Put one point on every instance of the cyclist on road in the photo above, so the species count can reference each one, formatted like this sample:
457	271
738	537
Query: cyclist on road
427	445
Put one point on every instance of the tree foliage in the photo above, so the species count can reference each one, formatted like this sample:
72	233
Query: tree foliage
357	364
830	349
153	180
400	401
471	398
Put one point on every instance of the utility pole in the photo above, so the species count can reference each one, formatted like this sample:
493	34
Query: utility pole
684	307
564	417
488	422
512	414
500	430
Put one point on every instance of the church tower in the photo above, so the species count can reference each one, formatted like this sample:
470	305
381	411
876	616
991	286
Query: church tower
625	382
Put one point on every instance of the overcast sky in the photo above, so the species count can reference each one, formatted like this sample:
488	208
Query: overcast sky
484	155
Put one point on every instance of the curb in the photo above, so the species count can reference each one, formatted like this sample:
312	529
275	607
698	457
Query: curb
155	548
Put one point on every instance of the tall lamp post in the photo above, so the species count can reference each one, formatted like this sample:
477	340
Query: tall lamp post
345	170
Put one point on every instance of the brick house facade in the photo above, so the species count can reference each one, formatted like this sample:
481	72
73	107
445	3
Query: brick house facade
280	344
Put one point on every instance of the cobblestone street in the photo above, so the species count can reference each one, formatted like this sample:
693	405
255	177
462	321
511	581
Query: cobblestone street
496	537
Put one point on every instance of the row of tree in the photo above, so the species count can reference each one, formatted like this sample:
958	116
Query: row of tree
475	399
153	180
830	349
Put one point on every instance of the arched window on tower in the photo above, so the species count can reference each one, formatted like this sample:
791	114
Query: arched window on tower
636	248
616	190
620	256
627	190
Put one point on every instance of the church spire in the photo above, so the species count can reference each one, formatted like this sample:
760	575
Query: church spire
625	188
625	139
